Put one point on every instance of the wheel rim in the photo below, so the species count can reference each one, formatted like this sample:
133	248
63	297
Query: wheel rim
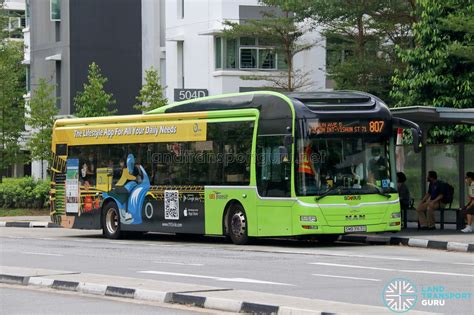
111	221
238	224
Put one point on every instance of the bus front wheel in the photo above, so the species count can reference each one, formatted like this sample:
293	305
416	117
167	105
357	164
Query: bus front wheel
111	221
237	225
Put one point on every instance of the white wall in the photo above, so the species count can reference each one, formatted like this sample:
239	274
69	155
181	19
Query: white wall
206	16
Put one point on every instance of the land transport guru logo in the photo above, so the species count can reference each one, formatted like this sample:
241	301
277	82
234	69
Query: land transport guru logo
400	295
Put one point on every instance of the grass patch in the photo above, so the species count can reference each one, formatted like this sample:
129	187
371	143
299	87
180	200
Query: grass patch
22	212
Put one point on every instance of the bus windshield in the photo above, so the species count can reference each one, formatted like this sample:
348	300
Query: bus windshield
351	164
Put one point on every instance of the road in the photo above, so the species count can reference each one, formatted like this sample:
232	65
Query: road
351	273
50	302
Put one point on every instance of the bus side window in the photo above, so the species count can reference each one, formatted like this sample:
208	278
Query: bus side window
273	167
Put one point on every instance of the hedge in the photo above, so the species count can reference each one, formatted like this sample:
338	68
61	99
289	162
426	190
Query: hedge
24	193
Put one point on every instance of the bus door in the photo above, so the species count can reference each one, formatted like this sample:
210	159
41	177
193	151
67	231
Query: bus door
274	186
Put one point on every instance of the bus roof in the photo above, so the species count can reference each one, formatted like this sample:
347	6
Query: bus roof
302	104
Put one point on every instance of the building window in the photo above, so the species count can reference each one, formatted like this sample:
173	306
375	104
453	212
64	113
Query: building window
27	13
180	59
28	79
180	9
58	84
247	53
218	52
55	10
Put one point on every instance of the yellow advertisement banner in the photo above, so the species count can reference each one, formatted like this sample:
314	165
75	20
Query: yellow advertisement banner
176	131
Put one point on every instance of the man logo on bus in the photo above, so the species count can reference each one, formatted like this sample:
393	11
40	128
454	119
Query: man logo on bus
400	295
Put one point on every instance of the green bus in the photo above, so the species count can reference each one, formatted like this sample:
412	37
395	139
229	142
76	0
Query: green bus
256	164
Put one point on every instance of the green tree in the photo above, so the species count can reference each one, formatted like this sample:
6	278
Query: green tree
285	36
439	69
42	110
151	94
12	105
360	38
94	101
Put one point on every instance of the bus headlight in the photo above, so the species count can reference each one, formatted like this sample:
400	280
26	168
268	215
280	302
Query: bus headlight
395	215
308	218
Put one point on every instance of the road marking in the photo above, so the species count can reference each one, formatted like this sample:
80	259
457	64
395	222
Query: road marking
343	277
438	273
396	270
376	257
467	264
46	238
164	245
352	266
42	254
176	263
244	280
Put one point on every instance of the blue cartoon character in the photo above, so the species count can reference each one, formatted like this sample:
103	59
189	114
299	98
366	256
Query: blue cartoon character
130	192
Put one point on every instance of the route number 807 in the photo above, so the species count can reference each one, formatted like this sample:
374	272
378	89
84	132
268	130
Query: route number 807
376	126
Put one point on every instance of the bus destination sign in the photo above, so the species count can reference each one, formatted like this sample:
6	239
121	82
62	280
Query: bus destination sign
346	127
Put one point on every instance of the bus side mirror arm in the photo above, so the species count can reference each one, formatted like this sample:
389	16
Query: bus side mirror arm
417	136
416	131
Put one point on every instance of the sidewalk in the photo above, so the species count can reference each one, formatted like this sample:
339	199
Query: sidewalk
28	222
438	239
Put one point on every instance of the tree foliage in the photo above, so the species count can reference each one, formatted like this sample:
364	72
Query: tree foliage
439	69
360	38
285	35
12	107
94	101
151	94
42	110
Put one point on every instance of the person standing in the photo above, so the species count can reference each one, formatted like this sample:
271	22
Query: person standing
468	210
431	202
403	193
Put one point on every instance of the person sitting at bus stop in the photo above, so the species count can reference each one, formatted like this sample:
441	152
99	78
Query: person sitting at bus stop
432	201
468	210
306	167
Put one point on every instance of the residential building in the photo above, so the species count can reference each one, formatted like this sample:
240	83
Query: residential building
68	35
64	37
200	61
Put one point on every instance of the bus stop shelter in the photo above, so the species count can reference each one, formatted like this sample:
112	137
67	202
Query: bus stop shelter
450	161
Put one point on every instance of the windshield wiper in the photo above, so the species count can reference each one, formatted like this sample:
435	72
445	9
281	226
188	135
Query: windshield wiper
327	192
380	192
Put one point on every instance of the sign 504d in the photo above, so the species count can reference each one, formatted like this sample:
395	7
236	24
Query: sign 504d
187	94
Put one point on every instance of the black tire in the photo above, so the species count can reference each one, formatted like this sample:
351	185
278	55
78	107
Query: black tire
237	225
111	221
327	238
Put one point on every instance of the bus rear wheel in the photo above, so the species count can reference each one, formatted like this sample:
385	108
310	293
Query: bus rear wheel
237	225
111	221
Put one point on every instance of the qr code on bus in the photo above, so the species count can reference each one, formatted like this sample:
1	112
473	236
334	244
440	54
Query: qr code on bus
171	205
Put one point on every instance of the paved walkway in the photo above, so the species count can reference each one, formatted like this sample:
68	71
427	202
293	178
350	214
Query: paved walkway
436	235
26	218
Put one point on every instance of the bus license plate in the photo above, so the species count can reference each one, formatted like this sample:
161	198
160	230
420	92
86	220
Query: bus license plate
359	228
